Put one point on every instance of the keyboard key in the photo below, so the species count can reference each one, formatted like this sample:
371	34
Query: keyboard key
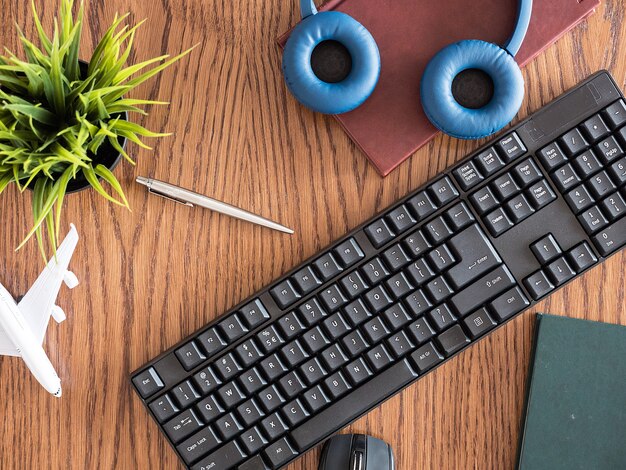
477	256
443	191
416	244
252	441
314	340
488	161
327	266
420	331
163	408
357	312
416	303
379	233
353	405
441	259
579	199
248	353
209	409
399	344
438	289
291	385
595	128
353	284
251	381
546	249
198	445
611	238
379	357
565	177
573	142
581	257
254	313
420	272
227	367
210	342
315	399
396	317
226	457
614	206
618	172
357	371
441	317
587	164
349	252
482	290
615	114
306	280
560	271
334	357
540	194
538	285
279	453
395	258
206	381
601	185
272	367
421	205
459	216
374	271
269	339
593	220
189	355
511	147
552	156
354	343
508	304
609	150
519	208
231	328
230	395
290	326
285	294
478	323
311	312
185	395
336	326
426	357
467	175
270	398
294	353
375	330
182	426
398	285
148	382
452	340
484	200
527	173
505	187
332	298
378	299
437	230
312	371
249	412
336	385
400	219
498	222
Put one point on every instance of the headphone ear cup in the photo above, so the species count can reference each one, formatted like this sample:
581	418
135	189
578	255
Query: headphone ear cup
307	88
443	110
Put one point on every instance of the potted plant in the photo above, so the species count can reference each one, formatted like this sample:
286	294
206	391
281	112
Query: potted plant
63	122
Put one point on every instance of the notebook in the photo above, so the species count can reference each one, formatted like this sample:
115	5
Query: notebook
391	125
576	405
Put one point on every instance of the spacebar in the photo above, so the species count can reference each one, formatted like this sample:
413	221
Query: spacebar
347	409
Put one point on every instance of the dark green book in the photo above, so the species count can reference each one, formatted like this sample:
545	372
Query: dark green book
576	404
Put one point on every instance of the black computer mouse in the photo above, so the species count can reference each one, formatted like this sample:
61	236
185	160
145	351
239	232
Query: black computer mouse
356	452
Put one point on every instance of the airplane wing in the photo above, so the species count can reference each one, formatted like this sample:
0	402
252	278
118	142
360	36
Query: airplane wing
7	348
39	303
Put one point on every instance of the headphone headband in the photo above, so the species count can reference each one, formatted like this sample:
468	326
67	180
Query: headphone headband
524	10
307	8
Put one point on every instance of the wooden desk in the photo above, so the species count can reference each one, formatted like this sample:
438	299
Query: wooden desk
154	275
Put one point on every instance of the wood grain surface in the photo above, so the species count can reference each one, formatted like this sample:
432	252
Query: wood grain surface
154	275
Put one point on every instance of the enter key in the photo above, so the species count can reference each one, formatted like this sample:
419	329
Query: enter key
477	254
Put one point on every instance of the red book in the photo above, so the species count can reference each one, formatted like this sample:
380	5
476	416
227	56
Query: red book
391	125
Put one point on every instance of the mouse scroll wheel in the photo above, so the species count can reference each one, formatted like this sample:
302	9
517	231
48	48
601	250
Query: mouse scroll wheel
357	461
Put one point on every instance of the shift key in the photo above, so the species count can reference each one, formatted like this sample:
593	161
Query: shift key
477	254
483	290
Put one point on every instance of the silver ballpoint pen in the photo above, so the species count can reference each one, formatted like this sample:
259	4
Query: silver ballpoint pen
189	198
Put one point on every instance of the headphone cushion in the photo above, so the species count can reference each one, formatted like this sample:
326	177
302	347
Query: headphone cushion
320	96
447	114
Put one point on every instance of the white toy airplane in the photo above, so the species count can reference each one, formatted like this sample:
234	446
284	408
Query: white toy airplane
23	325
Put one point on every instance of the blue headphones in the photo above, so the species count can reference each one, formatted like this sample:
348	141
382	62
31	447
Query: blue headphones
465	65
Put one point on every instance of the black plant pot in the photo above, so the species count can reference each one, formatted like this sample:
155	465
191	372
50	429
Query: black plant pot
107	155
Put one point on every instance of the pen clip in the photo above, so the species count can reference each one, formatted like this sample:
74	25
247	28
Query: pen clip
164	196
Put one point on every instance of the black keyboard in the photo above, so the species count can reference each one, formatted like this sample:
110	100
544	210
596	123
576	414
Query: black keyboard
402	293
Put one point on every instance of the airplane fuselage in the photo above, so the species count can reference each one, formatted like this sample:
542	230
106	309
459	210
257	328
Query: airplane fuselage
14	325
